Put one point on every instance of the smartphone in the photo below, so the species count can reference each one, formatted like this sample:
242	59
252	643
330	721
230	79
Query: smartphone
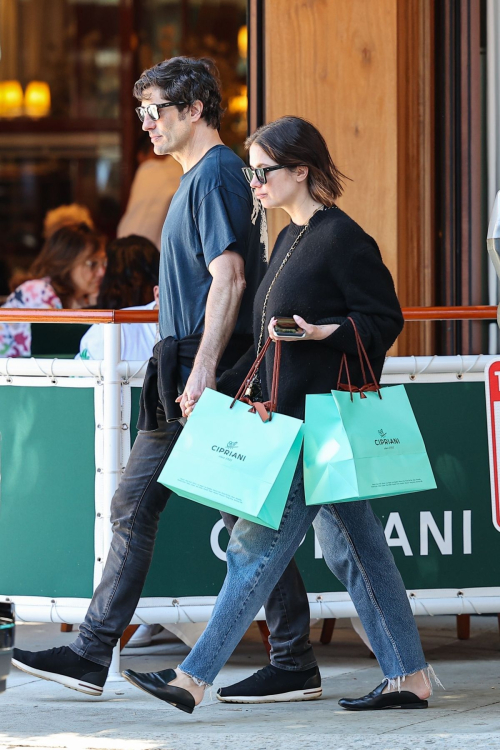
288	327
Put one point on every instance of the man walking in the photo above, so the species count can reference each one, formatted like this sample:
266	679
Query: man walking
212	261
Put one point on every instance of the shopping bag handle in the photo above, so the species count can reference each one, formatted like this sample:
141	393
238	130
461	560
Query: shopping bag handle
266	409
367	386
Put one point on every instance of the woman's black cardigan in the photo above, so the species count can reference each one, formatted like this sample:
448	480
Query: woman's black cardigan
335	271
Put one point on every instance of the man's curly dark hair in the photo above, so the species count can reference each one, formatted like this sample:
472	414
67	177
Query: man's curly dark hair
186	79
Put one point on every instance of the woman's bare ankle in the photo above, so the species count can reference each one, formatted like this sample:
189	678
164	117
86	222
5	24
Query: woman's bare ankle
186	682
417	683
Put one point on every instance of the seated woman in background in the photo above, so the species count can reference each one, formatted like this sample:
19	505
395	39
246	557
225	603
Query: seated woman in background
130	282
66	275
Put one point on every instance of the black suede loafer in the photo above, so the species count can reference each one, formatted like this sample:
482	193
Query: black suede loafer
157	684
378	701
62	665
273	685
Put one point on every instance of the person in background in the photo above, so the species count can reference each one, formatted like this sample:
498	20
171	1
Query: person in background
64	216
4	279
130	282
66	274
155	182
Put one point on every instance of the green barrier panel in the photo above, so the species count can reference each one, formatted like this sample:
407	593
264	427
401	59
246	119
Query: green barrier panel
60	340
47	507
452	417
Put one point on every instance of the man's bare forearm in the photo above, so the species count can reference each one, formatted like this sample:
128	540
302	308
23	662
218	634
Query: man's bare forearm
221	313
223	305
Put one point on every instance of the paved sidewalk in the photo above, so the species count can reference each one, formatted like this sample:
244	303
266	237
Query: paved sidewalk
39	714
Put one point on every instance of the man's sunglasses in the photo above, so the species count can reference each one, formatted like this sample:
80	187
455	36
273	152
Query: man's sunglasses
260	172
153	110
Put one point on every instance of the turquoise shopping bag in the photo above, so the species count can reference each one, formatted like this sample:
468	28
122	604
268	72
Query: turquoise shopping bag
364	448
236	457
362	443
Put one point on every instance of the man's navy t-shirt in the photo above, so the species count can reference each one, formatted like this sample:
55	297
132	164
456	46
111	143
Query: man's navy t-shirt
213	210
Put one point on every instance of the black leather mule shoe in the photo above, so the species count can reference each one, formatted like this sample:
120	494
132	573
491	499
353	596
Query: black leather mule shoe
157	684
377	701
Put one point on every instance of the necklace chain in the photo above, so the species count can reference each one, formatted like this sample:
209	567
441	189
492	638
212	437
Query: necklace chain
282	265
268	294
266	298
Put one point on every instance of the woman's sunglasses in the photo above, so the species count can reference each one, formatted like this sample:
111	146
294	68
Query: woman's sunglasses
152	110
259	173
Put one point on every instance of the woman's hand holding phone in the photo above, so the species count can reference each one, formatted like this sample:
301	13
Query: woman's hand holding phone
302	331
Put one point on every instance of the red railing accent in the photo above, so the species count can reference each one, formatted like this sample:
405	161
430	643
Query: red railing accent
25	315
12	315
480	312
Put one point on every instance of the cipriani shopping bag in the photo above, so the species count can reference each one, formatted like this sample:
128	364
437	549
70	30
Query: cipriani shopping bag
362	443
236	456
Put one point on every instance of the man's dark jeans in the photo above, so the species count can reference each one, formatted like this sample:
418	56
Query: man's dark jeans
135	514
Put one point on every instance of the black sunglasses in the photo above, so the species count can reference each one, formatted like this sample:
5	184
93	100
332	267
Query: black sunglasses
260	173
152	110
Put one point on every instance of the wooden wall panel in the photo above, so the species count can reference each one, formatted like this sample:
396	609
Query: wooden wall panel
416	174
460	239
335	63
363	72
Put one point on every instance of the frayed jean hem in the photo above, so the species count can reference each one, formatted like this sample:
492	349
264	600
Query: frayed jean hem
196	680
428	674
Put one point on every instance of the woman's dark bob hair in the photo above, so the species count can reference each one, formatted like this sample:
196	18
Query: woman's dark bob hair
292	142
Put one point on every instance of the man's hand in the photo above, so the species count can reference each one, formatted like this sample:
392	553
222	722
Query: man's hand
199	379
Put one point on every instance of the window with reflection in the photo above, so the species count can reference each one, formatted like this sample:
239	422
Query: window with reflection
202	28
66	73
60	58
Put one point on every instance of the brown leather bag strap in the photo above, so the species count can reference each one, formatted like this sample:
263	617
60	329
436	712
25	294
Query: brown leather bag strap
253	371
264	410
276	378
342	386
343	364
362	351
363	359
359	346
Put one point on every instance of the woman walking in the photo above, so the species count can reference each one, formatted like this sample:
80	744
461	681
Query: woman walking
324	269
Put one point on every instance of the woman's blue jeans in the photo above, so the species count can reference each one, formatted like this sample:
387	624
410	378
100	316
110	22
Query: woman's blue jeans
355	550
